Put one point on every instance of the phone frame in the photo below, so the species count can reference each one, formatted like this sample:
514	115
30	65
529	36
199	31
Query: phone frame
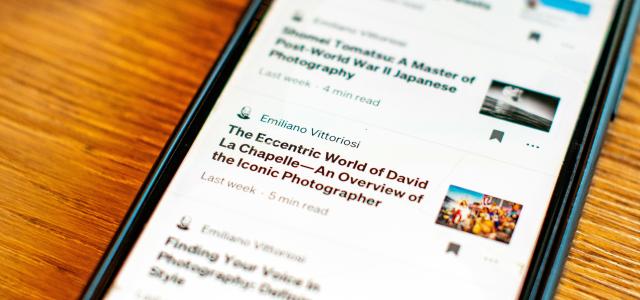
570	191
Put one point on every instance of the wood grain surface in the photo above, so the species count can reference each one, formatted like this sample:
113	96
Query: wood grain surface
90	91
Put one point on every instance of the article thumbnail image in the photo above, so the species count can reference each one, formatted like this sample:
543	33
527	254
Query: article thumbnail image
519	105
479	214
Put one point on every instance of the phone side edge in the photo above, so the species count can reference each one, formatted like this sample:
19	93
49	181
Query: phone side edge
105	269
612	100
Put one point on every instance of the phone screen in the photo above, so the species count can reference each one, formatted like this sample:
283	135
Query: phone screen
376	149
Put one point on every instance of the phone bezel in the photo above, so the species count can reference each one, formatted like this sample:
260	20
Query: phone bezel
548	242
575	175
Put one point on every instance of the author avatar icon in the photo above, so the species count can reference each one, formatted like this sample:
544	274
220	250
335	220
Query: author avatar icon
297	17
184	223
244	113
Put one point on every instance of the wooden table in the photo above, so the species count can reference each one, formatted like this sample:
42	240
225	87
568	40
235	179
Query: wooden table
90	91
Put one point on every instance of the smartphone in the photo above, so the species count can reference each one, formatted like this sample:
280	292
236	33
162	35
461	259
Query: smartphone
380	149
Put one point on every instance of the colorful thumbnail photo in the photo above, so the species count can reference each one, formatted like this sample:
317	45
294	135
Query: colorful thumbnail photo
479	214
